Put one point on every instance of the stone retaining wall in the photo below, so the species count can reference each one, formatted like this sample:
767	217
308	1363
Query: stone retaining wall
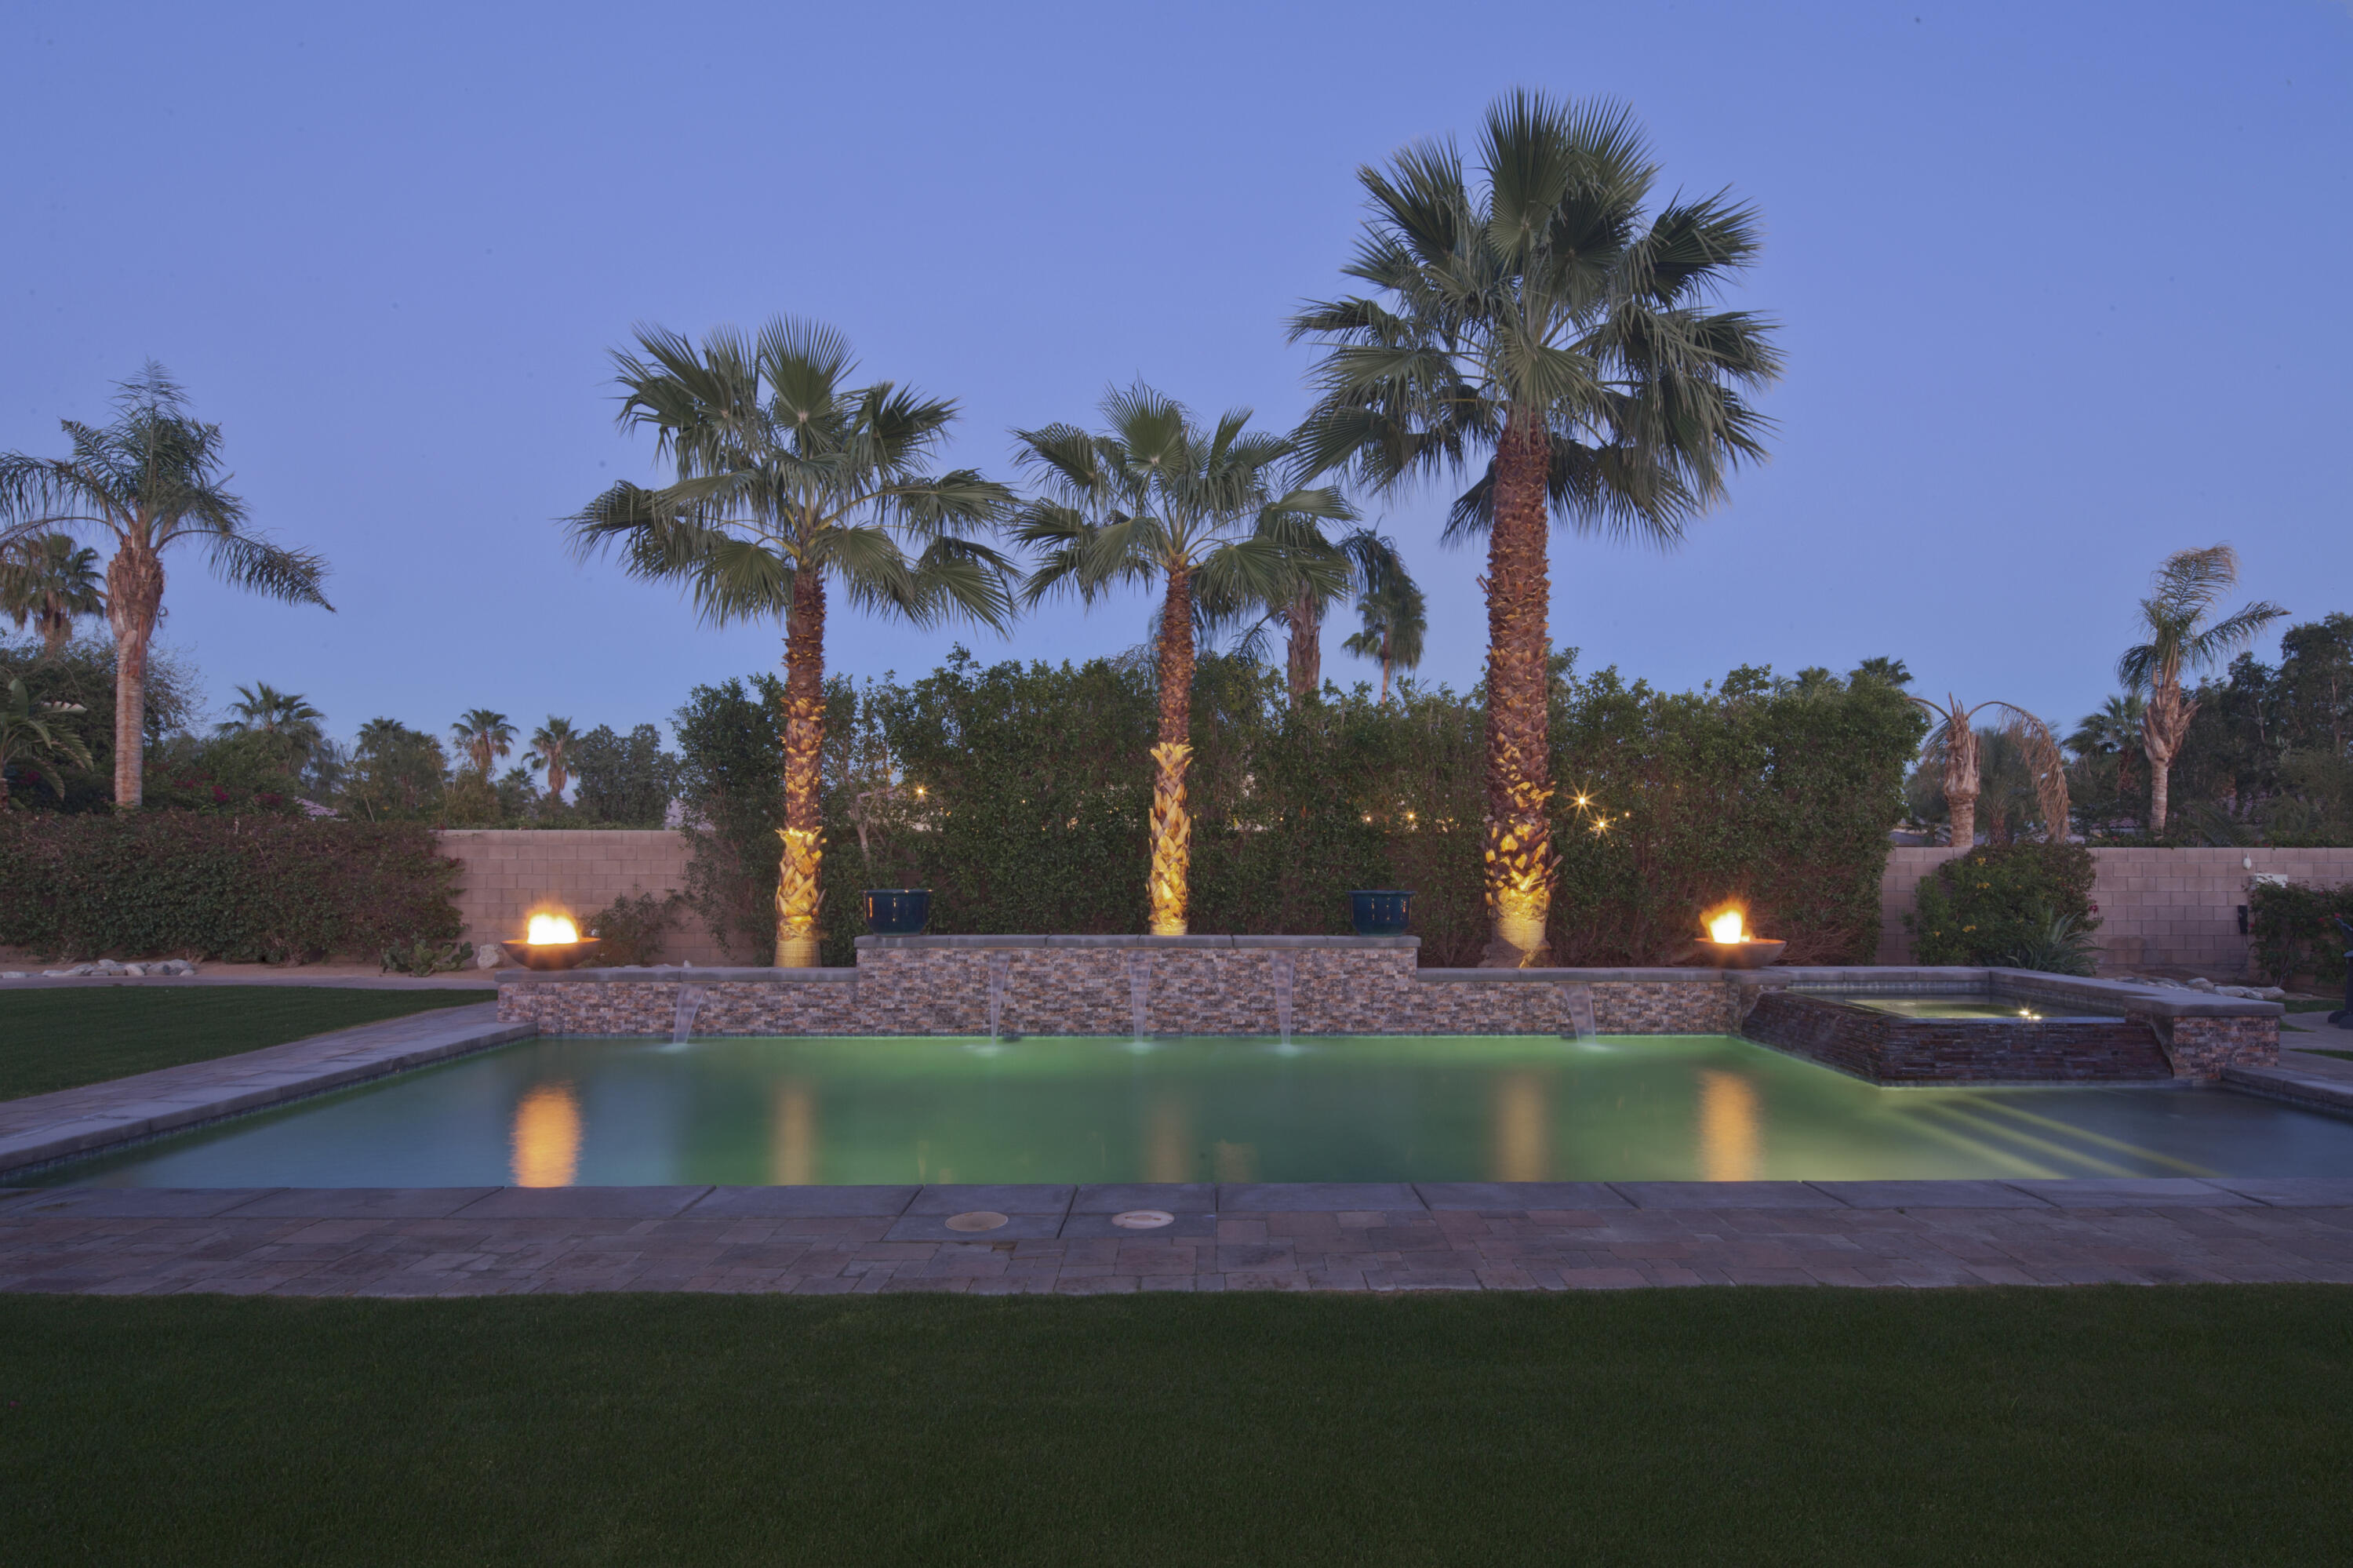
1888	1049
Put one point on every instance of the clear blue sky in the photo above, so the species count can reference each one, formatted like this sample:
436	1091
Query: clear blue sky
2062	286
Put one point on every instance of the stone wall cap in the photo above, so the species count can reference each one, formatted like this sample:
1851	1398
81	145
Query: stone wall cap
1179	944
1687	976
674	974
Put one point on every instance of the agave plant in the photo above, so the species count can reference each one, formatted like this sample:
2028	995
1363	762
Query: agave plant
2059	946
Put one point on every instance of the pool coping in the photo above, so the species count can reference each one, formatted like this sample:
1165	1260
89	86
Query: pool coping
65	1124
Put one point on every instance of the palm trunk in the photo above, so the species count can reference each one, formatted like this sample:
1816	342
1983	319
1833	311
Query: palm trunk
799	885
134	594
1518	861
1306	660
2163	724
1385	668
1961	776
1169	889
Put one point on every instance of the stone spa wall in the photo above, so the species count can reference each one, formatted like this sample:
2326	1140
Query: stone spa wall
1365	985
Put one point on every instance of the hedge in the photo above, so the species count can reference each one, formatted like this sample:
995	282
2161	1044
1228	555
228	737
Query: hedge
1034	790
1984	906
2294	932
190	884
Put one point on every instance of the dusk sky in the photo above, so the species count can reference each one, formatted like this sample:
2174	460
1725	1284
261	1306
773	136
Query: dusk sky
2062	286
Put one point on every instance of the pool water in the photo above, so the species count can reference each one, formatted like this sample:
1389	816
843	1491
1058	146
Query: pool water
1969	1004
594	1112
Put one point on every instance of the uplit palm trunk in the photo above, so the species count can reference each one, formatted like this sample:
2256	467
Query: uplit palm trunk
800	891
1961	781
2162	725
1172	828
1306	651
134	594
1519	863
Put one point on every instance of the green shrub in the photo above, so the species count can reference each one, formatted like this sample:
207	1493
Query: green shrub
1994	902
1019	794
198	884
2294	928
2061	945
629	930
423	957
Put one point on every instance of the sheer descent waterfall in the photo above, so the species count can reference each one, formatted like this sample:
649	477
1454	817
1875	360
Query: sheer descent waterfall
1577	1012
1139	992
1000	964
1286	964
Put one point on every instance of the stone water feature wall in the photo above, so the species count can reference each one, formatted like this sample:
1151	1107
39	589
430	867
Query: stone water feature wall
1084	985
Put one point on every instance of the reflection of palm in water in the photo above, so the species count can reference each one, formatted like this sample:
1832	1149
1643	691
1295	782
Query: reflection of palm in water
1168	1141
546	1138
792	1143
1521	1146
1727	1126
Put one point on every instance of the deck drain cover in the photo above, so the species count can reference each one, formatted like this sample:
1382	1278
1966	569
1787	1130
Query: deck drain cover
979	1220
1143	1219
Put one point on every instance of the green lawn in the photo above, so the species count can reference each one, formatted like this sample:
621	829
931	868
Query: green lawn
2314	1006
2187	1424
58	1037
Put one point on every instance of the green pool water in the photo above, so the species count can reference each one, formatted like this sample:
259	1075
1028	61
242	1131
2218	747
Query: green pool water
560	1112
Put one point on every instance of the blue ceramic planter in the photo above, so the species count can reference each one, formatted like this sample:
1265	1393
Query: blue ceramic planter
1380	912
898	911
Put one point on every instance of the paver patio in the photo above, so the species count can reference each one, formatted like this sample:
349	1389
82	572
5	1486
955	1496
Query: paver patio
1464	1236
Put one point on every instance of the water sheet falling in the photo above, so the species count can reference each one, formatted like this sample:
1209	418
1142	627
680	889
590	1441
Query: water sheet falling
999	965
1577	1012
681	1023
1285	966
1139	992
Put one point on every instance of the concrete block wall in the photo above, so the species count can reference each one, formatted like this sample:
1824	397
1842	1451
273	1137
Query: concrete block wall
510	873
2171	906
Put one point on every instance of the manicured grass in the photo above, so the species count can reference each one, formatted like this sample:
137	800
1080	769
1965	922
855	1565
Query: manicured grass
2116	1425
61	1036
2314	1006
2320	1051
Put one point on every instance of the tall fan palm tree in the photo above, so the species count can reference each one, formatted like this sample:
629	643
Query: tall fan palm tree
484	736
2183	593
287	717
788	476
1954	744
147	480
1155	499
1539	315
550	743
1395	622
48	580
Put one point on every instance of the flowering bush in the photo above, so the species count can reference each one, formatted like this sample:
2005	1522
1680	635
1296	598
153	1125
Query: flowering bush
1990	903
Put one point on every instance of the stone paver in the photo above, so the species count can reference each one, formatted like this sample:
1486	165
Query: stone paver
1375	1237
40	1129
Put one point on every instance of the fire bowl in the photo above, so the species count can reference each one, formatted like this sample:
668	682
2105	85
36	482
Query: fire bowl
1753	954
551	955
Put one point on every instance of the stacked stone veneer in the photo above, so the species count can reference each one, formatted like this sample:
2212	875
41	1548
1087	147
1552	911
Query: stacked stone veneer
1194	985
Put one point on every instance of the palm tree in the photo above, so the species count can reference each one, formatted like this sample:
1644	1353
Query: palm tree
787	475
484	736
287	717
548	743
2114	730
2183	595
48	580
1395	622
27	741
1955	743
1540	317
147	480
1155	499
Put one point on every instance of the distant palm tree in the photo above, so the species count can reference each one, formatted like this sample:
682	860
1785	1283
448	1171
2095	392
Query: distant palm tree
148	480
27	741
484	736
1955	743
2114	731
2183	595
1395	622
1155	499
286	716
549	745
48	580
1540	316
787	475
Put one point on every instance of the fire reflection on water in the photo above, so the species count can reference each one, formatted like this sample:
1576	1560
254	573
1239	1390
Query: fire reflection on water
1727	1126
792	1137
1522	1143
546	1142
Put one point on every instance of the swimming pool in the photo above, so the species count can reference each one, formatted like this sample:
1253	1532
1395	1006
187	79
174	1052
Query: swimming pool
749	1111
